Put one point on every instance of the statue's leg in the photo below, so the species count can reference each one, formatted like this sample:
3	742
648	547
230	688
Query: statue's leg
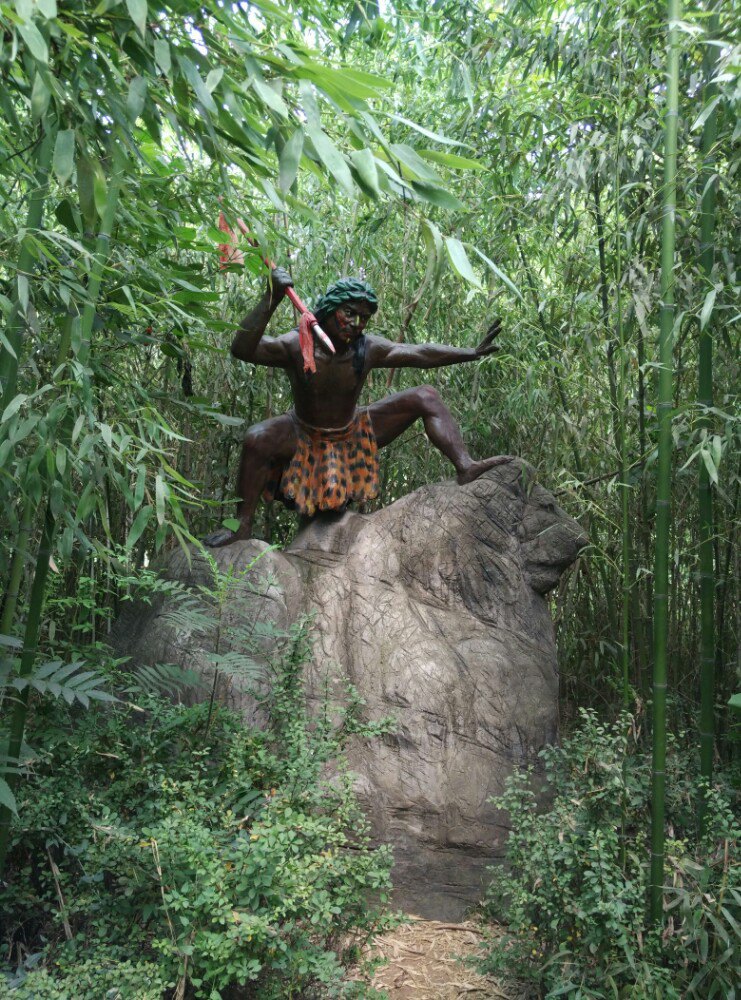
391	417
263	444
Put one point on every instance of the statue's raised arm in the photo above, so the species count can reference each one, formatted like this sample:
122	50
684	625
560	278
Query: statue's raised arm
249	342
323	454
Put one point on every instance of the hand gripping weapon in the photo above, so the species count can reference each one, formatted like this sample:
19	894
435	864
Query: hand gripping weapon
230	254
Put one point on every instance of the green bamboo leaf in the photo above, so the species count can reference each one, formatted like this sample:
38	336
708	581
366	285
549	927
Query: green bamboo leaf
705	113
23	298
290	157
136	97
162	55
716	448
34	41
225	419
414	163
437	196
9	348
459	260
85	191
332	158
7	798
63	162
452	160
499	273
100	188
214	78
465	77
40	96
48	8
707	307
138	13
159	497
193	77
434	243
188	296
364	163
271	98
141	479
137	528
66	215
391	178
345	82
426	132
13	406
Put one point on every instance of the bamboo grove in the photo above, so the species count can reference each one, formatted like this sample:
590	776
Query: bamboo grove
569	167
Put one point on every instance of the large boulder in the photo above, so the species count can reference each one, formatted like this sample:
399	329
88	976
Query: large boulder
434	608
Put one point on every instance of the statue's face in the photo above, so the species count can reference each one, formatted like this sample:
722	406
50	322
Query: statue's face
348	321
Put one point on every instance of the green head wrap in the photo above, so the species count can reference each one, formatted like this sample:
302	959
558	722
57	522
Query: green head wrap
344	290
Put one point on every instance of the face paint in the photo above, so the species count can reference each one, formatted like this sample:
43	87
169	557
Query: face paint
351	320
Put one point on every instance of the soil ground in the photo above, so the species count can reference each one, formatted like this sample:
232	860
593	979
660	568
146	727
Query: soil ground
425	960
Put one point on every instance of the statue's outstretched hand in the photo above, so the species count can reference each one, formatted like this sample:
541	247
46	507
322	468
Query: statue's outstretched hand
487	345
280	280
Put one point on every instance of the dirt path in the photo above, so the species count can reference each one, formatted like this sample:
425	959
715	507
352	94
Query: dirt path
424	961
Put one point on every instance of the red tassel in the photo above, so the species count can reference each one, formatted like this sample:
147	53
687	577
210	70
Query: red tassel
229	253
306	340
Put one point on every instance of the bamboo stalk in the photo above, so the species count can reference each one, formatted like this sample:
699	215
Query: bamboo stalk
14	329
705	399
28	657
13	589
664	471
619	382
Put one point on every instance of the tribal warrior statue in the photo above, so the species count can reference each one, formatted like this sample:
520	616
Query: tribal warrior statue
323	454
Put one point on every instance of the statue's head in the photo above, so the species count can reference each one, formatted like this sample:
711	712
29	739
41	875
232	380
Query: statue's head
343	311
354	294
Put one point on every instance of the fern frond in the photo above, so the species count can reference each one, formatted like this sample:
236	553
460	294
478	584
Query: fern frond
235	664
188	614
163	678
67	681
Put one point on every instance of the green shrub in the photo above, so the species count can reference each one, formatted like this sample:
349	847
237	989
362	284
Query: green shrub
573	893
159	843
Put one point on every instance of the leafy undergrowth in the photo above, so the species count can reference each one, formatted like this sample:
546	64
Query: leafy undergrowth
165	850
574	892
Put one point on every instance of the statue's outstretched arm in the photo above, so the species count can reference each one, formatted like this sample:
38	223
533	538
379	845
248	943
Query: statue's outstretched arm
385	354
249	344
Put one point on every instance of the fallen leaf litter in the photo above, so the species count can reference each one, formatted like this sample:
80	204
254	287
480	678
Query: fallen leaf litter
426	960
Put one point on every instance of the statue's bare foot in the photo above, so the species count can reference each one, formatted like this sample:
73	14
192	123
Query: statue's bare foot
475	469
218	539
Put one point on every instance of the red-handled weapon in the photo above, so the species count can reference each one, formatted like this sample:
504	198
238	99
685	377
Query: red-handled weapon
231	254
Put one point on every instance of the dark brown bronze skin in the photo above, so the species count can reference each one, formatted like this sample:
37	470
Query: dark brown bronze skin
328	398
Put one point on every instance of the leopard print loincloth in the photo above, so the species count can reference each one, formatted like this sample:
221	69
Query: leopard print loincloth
329	469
